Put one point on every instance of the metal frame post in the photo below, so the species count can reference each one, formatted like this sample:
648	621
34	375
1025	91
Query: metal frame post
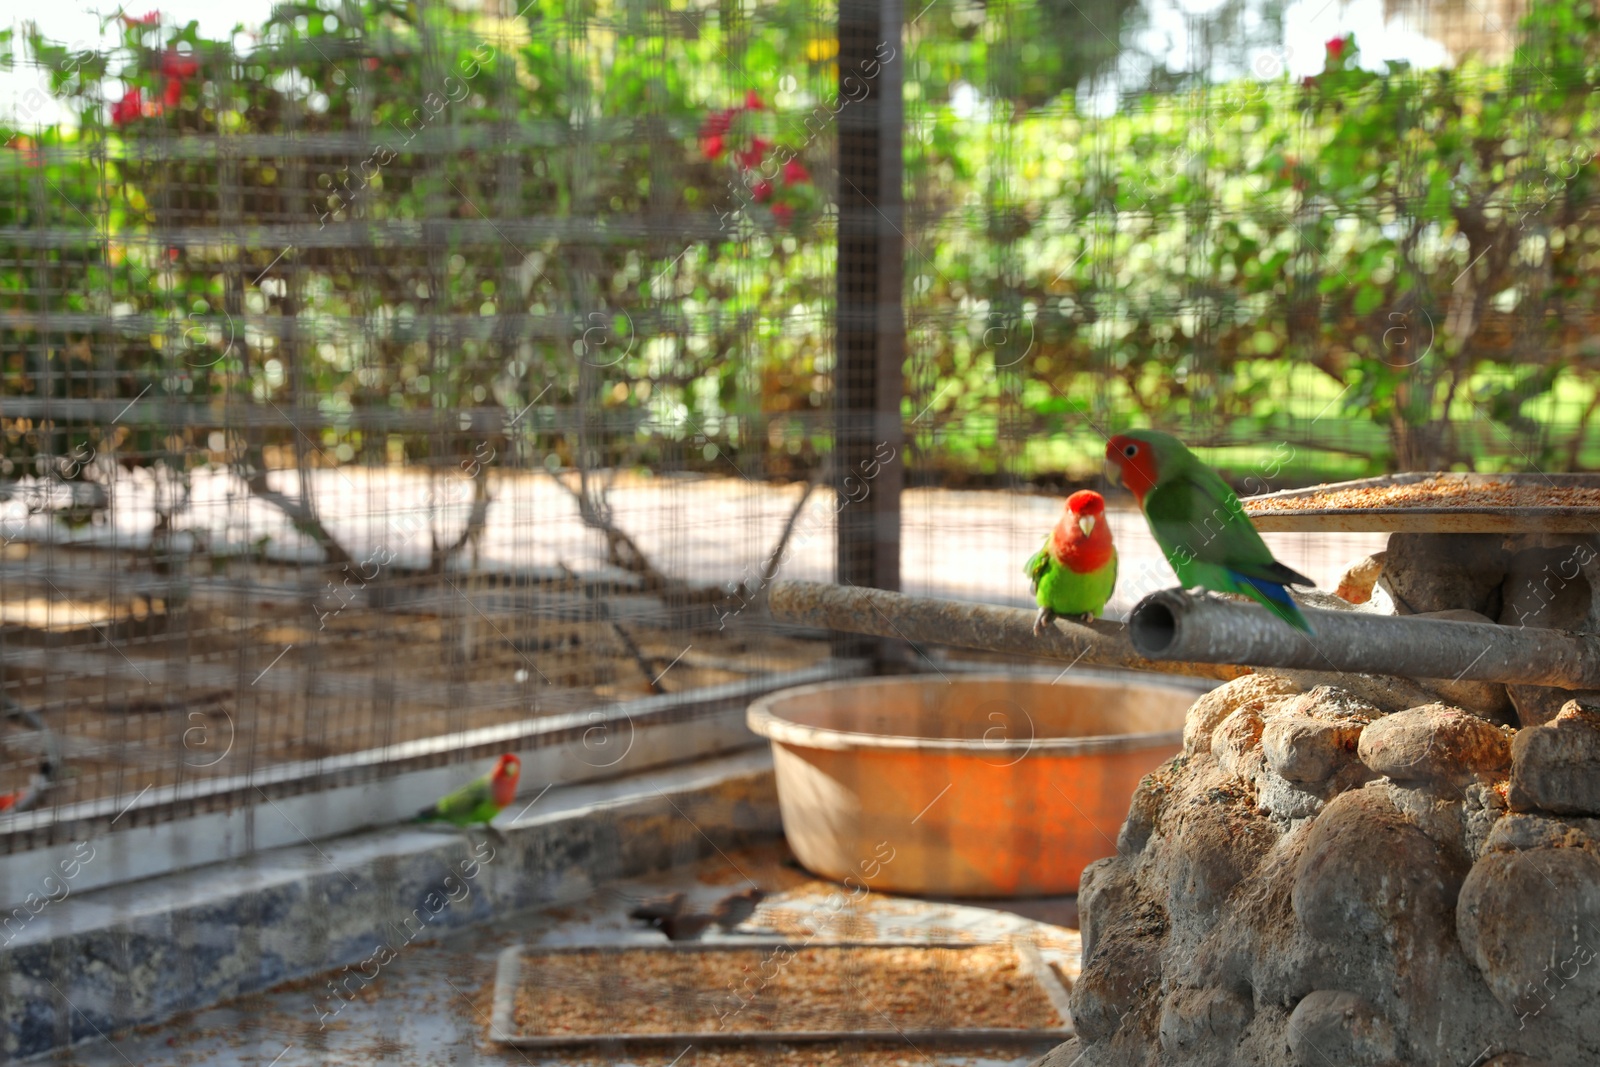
869	312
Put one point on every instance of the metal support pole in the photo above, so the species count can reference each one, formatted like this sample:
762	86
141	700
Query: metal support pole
1174	633
921	620
869	311
1171	625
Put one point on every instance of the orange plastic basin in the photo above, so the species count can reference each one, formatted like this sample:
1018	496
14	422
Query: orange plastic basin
980	785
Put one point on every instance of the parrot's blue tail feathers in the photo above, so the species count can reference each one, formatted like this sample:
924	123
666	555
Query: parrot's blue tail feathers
1275	598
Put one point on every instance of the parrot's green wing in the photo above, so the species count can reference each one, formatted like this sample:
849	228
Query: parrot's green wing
1038	566
1193	513
1209	540
469	804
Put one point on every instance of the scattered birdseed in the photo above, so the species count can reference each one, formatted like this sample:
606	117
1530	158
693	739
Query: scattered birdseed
1438	493
859	988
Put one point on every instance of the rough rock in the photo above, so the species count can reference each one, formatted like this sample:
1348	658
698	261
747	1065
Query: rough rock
1104	890
1217	836
1556	767
1207	713
1112	984
1488	700
1199	1026
1309	750
1435	572
1551	586
1309	746
1355	585
1385	691
1368	870
1144	813
1434	743
1458	821
1264	921
1547	587
1439	815
1334	703
1530	920
1536	705
1204	863
1067	1054
1236	743
1288	800
1330	1026
1519	831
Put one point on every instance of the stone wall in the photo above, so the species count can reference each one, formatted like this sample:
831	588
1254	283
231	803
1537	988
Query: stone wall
1321	881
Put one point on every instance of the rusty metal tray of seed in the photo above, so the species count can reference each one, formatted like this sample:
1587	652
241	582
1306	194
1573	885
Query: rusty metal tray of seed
771	991
1423	502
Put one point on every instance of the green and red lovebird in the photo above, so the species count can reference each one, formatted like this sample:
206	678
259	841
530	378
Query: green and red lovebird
1199	523
479	800
1075	569
27	798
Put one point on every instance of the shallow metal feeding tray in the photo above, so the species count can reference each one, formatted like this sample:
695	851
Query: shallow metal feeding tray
1453	503
508	977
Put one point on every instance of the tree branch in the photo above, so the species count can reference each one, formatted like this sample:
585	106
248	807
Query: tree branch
628	643
621	550
477	520
300	511
774	559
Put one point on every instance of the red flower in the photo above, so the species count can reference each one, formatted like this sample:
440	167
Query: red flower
751	157
783	213
1335	47
717	123
1309	81
762	191
175	64
28	148
371	62
752	101
130	107
795	173
1292	172
711	147
172	95
149	18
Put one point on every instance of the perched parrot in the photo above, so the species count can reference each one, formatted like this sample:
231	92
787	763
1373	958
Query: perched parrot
1075	569
480	800
1200	525
27	798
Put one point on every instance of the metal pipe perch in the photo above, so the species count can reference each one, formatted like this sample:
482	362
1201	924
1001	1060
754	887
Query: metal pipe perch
854	609
1173	633
1170	625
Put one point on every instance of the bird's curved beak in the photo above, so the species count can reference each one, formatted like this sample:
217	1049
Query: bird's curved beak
1086	524
1114	473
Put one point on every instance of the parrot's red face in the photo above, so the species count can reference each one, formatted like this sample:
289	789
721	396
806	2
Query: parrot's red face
1082	538
1135	462
1086	504
504	779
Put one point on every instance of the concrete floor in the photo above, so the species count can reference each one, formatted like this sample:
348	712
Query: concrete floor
431	1004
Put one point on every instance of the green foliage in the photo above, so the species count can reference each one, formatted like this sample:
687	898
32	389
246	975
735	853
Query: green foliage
1424	240
387	213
